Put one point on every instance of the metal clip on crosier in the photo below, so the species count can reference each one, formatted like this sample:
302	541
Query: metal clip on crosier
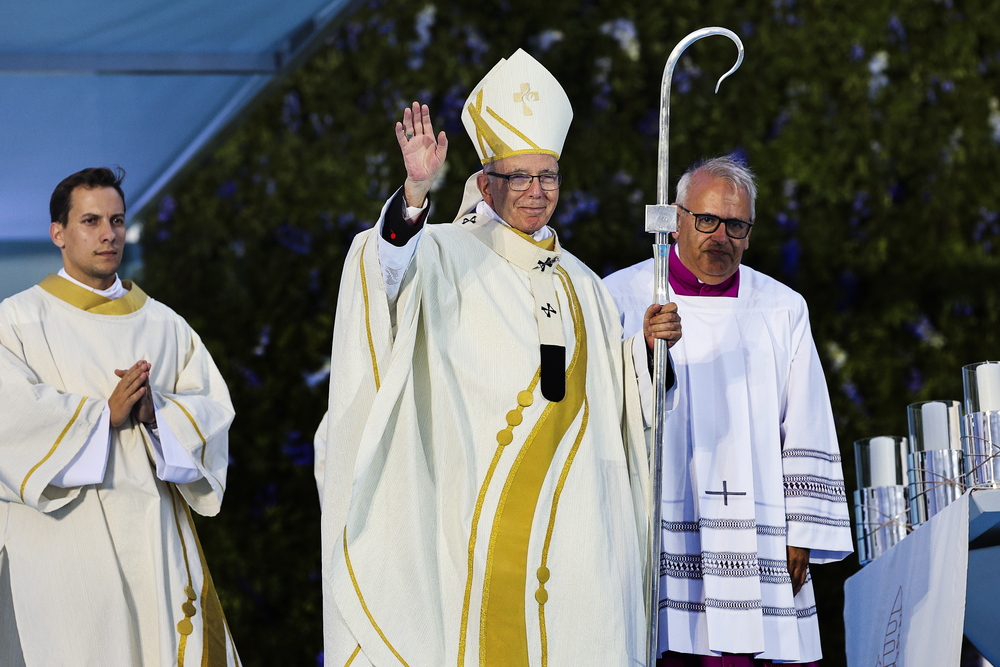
661	220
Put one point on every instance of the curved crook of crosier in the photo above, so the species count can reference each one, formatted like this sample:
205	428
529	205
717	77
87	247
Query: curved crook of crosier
668	73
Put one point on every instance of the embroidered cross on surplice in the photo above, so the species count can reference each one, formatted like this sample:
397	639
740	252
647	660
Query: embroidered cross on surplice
725	493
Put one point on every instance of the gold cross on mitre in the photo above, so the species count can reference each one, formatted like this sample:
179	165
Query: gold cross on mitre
526	95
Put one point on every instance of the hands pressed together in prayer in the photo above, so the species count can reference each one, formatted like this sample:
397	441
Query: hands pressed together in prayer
661	321
423	153
132	396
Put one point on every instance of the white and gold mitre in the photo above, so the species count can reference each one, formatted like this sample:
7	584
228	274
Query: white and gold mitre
518	108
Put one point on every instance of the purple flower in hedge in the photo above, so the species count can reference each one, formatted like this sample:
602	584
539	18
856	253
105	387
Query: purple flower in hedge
574	206
297	240
422	25
791	252
851	391
251	378
916	381
476	44
786	222
265	498
649	124
299	449
167	207
857	52
385	29
353	30
685	75
317	124
962	309
848	283
346	220
897	33
314	281
682	81
449	112
779	123
263	340
227	190
291	111
625	33
622	177
923	330
895	193
747	29
859	208
986	229
546	39
317	377
877	66
860	201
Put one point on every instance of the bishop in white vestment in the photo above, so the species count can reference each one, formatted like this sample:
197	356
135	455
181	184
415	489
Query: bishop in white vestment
752	480
482	463
100	562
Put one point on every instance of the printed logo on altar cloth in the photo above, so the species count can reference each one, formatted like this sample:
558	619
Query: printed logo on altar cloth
893	634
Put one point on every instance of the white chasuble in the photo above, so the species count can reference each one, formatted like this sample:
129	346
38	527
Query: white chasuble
466	519
751	465
109	573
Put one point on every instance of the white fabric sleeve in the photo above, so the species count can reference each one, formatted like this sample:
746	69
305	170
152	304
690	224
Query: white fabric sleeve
645	381
91	462
643	378
395	260
319	460
173	462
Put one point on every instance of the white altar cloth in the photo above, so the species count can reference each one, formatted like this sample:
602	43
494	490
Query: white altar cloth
907	607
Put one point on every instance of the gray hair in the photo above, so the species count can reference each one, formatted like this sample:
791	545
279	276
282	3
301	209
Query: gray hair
727	168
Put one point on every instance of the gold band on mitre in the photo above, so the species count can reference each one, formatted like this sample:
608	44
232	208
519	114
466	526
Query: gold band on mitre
518	108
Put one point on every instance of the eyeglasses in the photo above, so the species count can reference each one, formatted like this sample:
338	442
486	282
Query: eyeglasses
521	182
706	223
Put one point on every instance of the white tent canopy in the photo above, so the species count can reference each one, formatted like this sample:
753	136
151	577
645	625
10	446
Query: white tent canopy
143	84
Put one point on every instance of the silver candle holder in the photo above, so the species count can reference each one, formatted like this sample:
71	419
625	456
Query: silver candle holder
981	437
935	463
880	501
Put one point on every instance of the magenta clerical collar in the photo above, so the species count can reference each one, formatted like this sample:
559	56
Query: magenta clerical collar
684	283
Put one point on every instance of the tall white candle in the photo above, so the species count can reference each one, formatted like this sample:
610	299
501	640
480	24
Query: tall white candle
988	385
882	457
935	422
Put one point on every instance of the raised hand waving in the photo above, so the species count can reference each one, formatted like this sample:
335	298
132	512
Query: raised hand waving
423	153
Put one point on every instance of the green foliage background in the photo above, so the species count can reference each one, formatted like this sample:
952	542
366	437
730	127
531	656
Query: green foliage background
874	129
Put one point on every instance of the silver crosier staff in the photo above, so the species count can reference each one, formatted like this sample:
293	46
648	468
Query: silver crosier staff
661	220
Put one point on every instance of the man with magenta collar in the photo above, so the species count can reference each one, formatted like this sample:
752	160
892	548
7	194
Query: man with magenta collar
753	489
